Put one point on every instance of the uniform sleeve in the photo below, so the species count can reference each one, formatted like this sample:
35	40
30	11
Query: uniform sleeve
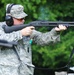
14	36
45	38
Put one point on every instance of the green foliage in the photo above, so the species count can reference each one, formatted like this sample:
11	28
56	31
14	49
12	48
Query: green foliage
51	55
43	9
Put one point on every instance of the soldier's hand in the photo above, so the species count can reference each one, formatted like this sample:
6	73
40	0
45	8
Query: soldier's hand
60	27
27	31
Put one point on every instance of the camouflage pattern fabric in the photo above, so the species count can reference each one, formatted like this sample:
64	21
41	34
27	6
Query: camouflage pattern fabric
9	62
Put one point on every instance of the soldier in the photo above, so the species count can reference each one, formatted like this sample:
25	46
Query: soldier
20	62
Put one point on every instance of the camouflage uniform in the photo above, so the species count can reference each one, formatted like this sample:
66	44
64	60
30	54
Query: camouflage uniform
9	62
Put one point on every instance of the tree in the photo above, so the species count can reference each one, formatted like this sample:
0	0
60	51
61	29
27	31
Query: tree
52	10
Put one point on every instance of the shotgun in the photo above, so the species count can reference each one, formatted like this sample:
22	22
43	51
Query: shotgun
9	29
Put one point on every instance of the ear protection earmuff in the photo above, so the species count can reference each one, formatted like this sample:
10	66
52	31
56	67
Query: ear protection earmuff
8	18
